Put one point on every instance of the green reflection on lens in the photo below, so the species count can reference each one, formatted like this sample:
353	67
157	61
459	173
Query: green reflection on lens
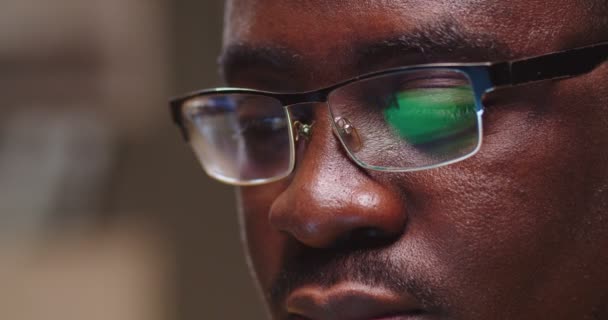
429	114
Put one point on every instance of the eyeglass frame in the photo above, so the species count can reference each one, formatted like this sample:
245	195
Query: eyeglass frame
485	77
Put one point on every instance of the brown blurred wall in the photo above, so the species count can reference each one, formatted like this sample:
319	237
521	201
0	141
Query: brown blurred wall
214	281
160	177
130	215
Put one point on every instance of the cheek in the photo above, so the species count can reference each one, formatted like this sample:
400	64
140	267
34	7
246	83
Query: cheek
264	245
510	211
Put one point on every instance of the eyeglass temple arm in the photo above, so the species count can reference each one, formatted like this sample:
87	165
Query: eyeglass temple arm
177	118
557	65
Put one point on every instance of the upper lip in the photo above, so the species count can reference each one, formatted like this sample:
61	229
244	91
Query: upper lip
351	301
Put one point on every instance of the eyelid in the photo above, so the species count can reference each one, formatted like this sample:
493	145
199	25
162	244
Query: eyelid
437	78
264	80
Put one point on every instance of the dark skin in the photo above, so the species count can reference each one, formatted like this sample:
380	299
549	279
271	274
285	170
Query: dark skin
519	231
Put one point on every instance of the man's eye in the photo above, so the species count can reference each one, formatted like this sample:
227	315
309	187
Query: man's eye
262	131
263	125
265	138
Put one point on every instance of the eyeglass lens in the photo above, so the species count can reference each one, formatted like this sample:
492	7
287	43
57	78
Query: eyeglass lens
240	137
409	120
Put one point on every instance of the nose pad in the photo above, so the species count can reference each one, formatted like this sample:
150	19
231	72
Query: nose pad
348	134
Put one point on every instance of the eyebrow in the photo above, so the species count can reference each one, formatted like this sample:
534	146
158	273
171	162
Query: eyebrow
241	56
443	42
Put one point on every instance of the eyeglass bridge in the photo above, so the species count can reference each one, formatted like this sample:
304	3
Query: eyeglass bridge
303	130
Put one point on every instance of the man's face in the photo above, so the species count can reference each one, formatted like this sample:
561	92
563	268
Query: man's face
519	231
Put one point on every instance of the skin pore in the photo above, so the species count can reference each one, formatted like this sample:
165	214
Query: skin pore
519	231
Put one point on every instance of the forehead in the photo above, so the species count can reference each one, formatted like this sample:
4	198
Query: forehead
344	20
325	33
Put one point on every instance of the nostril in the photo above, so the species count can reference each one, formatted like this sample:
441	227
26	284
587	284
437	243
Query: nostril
366	237
372	233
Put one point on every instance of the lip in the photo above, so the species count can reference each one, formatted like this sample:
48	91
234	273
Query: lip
352	301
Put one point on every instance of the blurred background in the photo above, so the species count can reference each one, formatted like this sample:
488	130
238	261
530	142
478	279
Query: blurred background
104	212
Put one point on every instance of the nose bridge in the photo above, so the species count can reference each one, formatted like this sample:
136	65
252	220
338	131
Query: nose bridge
311	97
310	106
330	198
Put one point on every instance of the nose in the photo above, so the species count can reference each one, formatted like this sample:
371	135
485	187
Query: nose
330	201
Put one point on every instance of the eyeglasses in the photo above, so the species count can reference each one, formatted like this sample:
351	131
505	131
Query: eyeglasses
398	120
